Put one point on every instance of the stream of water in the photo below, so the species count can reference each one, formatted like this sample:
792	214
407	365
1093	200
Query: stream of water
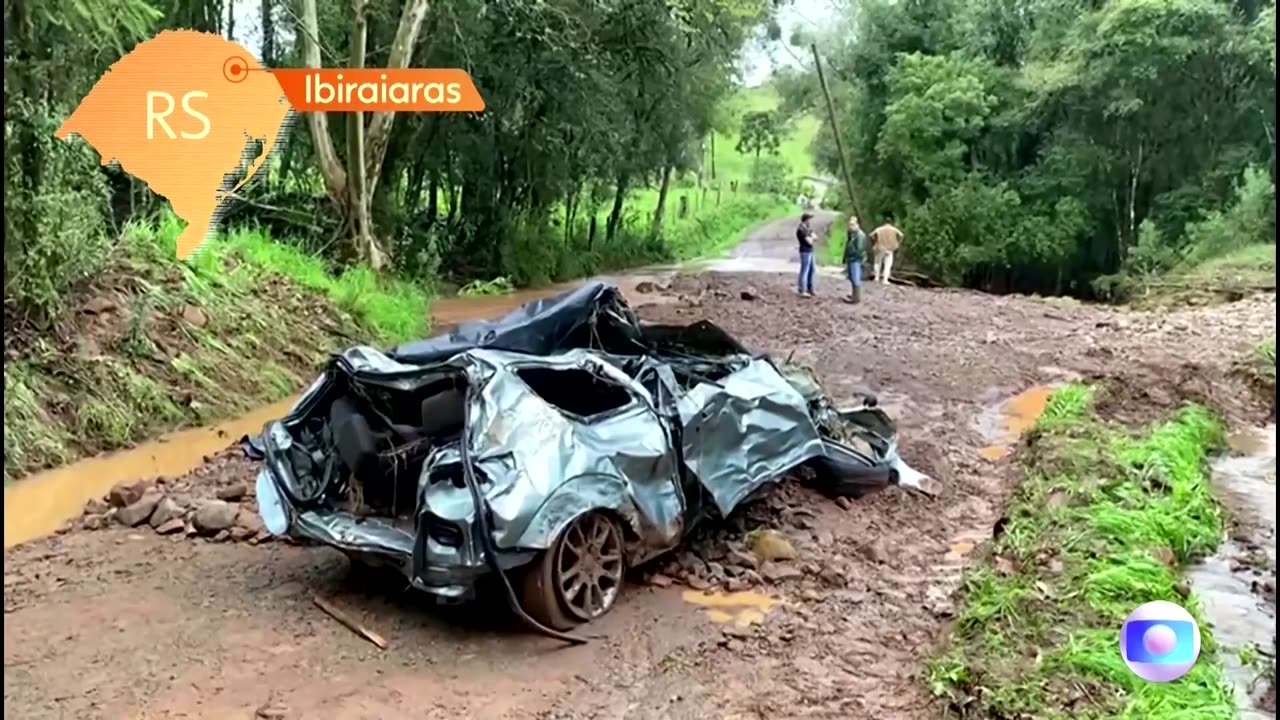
1243	620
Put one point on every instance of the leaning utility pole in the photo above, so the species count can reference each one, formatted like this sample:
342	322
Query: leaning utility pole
835	130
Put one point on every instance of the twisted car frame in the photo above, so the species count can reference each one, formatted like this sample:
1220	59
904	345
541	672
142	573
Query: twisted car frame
561	444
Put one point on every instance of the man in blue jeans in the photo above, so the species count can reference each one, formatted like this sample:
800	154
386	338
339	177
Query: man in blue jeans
804	234
855	251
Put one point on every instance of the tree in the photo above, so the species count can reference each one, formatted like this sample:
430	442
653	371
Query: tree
760	132
351	187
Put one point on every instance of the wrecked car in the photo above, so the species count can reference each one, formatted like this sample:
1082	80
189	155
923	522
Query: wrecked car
553	448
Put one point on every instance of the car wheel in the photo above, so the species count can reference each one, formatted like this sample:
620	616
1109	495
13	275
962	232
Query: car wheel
578	578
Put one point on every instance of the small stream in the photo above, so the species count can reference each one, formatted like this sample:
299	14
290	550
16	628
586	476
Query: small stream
1230	584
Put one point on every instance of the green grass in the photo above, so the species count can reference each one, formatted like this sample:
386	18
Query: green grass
1090	529
1266	358
389	309
717	229
794	147
832	252
1227	276
1249	265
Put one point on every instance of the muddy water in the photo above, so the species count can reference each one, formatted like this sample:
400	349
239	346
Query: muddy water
1245	481
1003	425
39	505
738	608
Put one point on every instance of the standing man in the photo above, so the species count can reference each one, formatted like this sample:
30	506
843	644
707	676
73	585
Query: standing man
855	249
886	240
805	236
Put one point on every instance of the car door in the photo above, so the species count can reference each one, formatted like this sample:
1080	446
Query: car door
616	432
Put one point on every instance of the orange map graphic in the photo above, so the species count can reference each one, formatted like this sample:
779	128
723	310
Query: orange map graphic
180	112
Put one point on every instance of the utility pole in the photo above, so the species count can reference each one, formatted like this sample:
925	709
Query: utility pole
835	130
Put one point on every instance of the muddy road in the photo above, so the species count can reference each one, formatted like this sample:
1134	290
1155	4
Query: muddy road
125	623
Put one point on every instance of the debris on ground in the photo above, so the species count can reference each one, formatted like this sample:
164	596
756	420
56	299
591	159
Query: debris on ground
351	623
175	508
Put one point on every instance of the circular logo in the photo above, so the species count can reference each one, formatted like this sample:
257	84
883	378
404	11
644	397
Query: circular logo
1160	641
235	69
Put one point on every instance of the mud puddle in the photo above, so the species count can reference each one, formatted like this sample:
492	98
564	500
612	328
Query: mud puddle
1237	584
742	609
41	504
1003	425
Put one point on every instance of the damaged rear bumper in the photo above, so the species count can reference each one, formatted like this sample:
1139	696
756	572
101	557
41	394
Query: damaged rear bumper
443	561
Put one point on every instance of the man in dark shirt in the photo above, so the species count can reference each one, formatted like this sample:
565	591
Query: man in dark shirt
855	249
804	235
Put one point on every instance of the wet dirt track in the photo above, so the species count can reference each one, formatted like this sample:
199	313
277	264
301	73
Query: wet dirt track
127	624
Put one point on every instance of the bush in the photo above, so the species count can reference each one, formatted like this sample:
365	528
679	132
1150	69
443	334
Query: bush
769	175
1248	220
56	223
1151	254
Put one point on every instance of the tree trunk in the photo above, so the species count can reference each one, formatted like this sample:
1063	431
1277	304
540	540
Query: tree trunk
659	211
615	215
411	17
433	195
570	211
28	142
268	33
335	176
454	195
413	194
358	184
231	21
713	156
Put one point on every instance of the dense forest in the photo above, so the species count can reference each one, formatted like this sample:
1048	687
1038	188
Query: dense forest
1055	146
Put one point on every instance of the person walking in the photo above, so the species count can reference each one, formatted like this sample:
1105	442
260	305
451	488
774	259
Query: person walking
805	236
886	240
855	249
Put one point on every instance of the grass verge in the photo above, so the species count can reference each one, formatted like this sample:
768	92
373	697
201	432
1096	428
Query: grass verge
709	229
718	229
1227	277
833	250
155	344
1101	523
1251	265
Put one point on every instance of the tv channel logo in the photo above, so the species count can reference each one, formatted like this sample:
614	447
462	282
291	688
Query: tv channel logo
1160	641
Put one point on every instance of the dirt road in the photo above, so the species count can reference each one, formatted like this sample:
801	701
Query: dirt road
771	240
123	623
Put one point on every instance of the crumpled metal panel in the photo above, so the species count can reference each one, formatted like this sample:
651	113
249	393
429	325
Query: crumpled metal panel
544	468
749	430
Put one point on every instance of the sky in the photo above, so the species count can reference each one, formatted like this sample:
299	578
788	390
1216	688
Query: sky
807	16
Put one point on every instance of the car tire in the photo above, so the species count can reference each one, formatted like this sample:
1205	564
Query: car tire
589	555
